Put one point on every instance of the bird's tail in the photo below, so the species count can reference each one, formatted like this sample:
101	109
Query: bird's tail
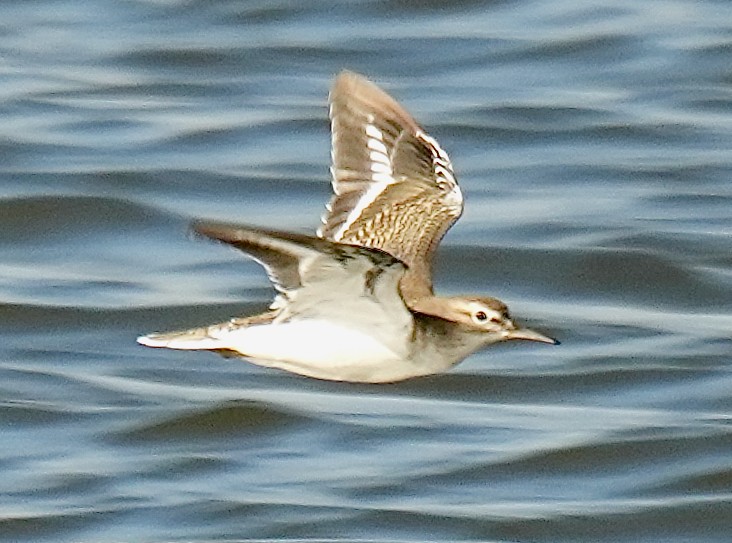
204	338
215	337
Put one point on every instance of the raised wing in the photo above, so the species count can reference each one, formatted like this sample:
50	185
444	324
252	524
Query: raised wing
394	188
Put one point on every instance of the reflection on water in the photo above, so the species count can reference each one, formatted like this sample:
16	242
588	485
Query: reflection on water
593	145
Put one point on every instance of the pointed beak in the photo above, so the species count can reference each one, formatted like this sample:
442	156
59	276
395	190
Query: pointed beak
530	335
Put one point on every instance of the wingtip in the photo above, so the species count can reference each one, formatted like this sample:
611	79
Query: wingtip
346	74
219	231
352	84
343	84
204	228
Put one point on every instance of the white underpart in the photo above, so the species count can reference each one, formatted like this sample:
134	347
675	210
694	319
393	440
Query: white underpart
318	348
382	175
309	342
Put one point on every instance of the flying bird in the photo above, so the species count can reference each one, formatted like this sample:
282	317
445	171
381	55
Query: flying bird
355	302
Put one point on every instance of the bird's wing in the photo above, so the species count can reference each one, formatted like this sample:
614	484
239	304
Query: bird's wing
315	277
354	287
394	187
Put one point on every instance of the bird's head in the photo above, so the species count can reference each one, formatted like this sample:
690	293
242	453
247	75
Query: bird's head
491	316
484	316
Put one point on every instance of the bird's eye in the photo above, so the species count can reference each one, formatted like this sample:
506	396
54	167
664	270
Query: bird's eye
481	316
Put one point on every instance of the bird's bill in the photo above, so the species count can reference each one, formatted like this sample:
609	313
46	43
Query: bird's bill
530	335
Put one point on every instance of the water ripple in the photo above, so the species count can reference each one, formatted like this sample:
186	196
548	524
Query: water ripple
592	145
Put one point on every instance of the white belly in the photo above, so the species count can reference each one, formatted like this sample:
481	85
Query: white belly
323	350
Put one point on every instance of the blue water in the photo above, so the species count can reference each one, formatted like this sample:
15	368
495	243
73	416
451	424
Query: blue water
593	143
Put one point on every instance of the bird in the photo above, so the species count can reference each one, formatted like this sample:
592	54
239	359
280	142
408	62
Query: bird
355	302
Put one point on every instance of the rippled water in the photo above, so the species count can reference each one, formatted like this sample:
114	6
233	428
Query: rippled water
593	142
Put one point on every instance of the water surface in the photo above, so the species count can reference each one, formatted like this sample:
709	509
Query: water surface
593	144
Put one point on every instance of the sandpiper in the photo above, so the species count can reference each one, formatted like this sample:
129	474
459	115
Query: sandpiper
355	302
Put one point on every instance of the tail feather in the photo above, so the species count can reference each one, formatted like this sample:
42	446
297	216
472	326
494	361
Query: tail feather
205	338
193	339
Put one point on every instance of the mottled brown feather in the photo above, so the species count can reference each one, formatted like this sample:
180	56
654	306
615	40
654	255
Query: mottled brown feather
412	206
